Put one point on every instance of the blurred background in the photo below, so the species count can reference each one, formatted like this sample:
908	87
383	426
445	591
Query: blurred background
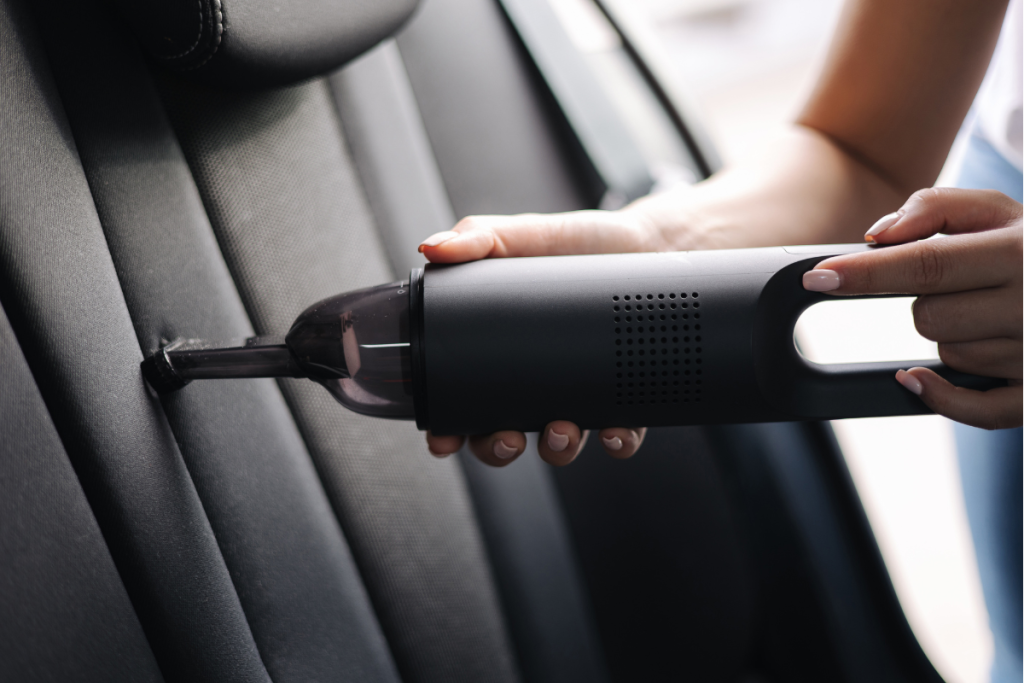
748	65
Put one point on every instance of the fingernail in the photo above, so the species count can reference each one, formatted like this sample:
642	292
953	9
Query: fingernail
612	444
503	450
821	280
439	455
438	238
883	224
557	442
909	382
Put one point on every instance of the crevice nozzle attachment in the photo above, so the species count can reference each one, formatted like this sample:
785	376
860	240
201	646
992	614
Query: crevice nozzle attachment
356	345
183	360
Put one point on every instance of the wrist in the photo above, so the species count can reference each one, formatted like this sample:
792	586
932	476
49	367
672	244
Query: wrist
683	220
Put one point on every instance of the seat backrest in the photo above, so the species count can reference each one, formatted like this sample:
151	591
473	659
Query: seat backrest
252	530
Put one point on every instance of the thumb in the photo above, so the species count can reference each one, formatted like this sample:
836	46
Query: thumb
945	210
577	232
993	409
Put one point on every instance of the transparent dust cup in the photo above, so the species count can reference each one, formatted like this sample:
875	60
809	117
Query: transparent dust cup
357	346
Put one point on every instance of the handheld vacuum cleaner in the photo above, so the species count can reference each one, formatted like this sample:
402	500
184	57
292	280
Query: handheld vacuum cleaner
625	340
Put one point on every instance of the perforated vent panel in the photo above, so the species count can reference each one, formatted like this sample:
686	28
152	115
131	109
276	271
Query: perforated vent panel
658	346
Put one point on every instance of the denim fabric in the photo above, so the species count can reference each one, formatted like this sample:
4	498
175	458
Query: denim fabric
991	472
983	168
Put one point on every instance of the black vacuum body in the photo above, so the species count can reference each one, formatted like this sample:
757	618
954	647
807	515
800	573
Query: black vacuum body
626	340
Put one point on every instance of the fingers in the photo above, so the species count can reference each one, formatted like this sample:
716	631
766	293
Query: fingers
443	446
945	210
952	264
618	442
993	409
578	232
622	443
987	357
498	449
560	443
968	316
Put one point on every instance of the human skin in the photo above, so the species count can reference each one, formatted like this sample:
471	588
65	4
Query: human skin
969	294
898	81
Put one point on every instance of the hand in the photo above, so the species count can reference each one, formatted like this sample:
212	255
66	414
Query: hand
579	232
969	288
555	234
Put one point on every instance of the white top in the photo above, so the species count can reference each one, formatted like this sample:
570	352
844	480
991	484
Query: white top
999	101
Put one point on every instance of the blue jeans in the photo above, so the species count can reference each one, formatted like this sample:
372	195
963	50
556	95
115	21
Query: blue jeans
991	471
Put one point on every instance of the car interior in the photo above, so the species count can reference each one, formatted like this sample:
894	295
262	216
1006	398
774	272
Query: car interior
208	169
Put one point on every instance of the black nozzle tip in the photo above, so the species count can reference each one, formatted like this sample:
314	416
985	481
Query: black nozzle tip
160	374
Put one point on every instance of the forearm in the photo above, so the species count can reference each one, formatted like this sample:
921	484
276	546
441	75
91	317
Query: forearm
803	189
894	90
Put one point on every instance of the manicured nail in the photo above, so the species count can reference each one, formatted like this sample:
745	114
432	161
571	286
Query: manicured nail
883	224
439	455
438	238
557	442
821	280
613	444
503	450
909	382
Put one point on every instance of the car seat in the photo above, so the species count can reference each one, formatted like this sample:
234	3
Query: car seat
207	170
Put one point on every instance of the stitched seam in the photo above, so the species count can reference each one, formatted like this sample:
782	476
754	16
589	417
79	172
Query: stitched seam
199	35
217	18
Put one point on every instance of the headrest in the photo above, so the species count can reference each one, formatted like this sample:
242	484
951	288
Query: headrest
261	43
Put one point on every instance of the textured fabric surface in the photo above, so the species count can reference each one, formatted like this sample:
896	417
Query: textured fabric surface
302	595
292	221
524	529
500	143
541	586
61	294
66	615
860	616
391	151
664	558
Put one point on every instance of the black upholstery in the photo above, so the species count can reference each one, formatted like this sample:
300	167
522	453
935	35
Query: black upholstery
63	298
66	616
489	123
667	591
253	530
545	602
260	44
301	593
282	194
390	148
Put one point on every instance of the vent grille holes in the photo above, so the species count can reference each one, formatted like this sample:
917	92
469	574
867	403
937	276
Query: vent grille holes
658	348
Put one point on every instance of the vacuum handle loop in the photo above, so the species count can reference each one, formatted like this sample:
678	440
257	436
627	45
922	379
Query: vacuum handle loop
824	391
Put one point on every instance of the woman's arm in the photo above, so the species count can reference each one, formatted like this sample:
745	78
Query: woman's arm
898	81
895	88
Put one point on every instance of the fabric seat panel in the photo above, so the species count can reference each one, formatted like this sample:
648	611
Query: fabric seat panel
392	153
295	576
288	211
67	616
500	142
62	296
